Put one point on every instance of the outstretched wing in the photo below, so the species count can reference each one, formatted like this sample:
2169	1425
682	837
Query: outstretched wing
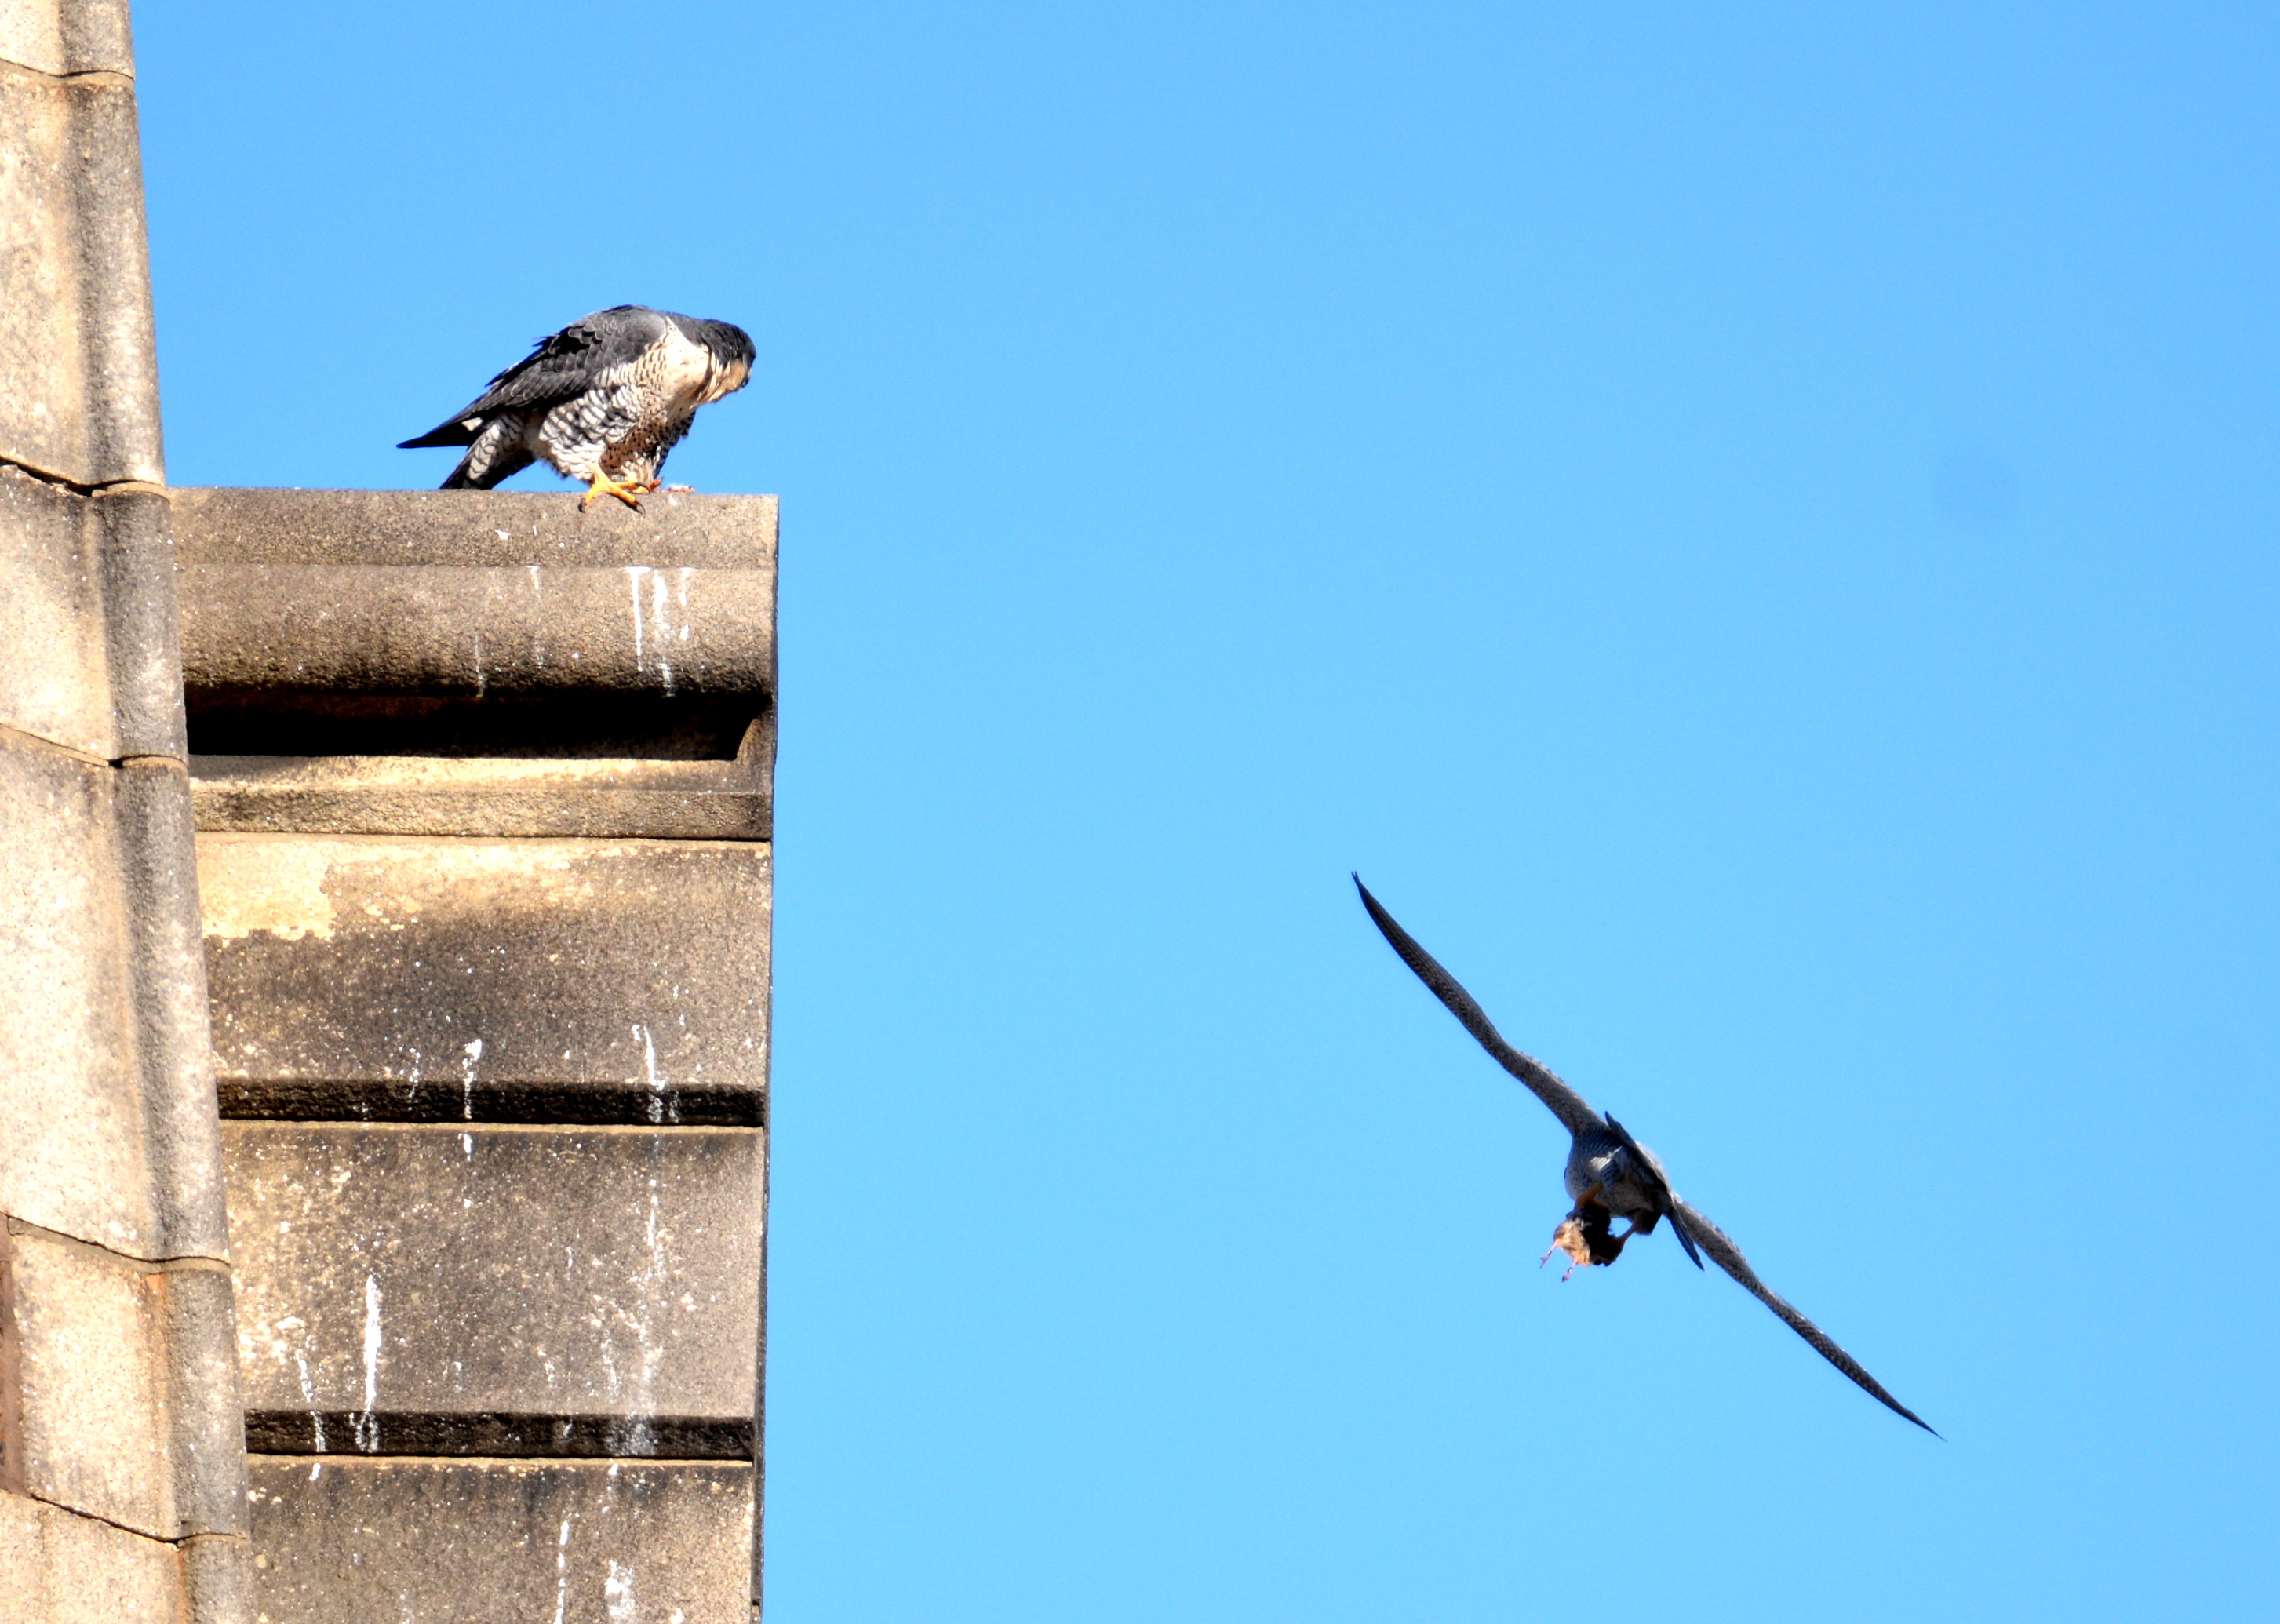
593	351
1575	1115
1730	1259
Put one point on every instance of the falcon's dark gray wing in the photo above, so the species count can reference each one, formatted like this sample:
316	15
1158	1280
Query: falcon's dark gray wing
1665	1197
1730	1259
595	349
1574	1114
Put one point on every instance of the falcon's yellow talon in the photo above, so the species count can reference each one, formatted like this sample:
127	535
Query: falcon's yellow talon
605	486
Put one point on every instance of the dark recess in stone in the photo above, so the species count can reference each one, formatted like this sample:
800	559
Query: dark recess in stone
499	1435
281	721
299	1100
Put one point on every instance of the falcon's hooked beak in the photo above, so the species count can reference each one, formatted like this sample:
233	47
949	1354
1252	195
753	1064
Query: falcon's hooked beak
724	379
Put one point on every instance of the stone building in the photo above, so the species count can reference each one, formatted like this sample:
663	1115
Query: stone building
384	923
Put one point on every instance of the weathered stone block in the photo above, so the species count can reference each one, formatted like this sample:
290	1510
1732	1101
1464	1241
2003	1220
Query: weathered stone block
105	1087
145	643
59	1568
378	1541
117	1363
553	980
158	877
78	395
67	36
87	609
72	1158
57	684
427	1289
218	1577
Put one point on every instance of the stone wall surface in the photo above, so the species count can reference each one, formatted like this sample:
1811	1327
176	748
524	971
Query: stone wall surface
113	1358
439	1283
79	387
57	1568
89	36
619	980
122	1464
481	1542
483	787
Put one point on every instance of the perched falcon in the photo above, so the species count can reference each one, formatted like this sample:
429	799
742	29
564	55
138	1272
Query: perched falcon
603	401
1610	1174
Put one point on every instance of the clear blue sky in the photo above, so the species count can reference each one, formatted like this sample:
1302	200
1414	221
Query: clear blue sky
1754	532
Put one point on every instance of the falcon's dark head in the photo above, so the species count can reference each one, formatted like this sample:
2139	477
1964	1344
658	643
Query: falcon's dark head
731	350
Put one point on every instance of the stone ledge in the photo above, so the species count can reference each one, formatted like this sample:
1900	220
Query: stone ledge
472	529
478	663
469	633
542	799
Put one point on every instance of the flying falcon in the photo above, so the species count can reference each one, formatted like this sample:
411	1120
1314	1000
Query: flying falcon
1610	1174
602	401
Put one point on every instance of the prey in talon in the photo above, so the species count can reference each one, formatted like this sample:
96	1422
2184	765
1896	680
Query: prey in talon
603	401
1587	1237
1609	1173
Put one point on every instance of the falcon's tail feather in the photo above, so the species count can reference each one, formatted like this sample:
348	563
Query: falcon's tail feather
454	433
499	451
502	467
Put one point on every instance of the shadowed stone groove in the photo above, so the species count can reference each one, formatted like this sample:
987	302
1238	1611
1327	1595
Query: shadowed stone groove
658	1437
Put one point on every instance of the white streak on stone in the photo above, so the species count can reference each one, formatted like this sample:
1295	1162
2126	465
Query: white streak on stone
634	1433
618	1591
562	1571
656	591
293	1322
662	1105
474	1053
368	1428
